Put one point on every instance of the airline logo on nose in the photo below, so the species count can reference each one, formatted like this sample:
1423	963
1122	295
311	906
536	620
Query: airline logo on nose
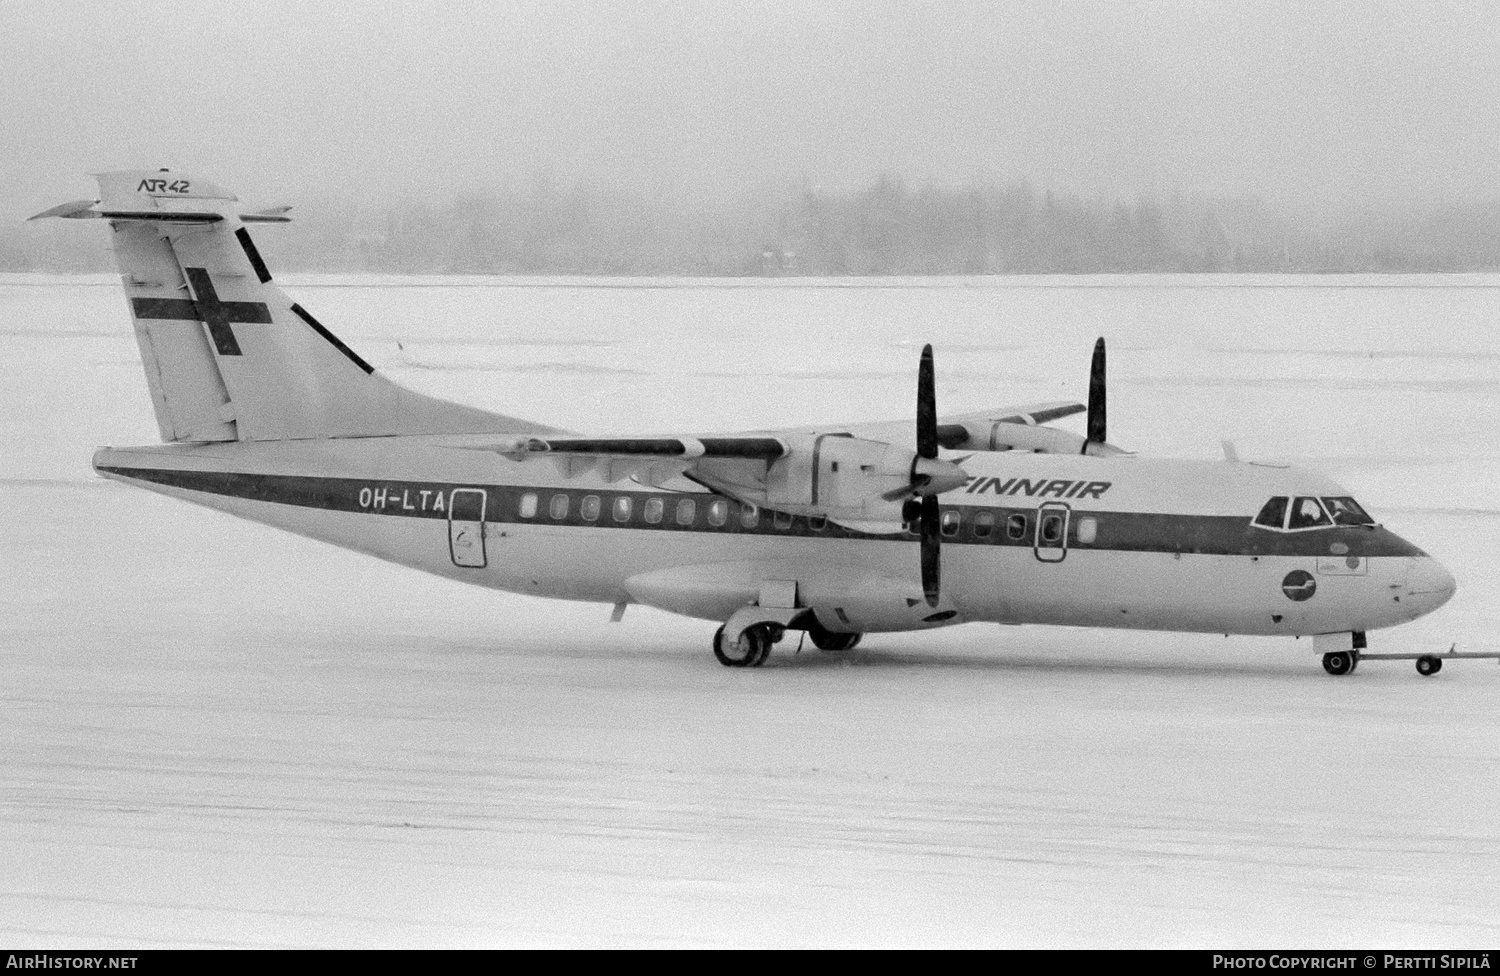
1299	585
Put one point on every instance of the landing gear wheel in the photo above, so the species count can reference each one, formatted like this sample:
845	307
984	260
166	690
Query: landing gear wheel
827	640
749	651
1427	665
766	635
1339	662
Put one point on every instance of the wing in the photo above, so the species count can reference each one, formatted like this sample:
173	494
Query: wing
656	460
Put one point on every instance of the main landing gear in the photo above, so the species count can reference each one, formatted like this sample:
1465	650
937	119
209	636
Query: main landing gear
827	640
754	644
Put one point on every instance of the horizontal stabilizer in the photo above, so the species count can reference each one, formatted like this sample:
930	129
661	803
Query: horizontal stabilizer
87	209
270	215
72	210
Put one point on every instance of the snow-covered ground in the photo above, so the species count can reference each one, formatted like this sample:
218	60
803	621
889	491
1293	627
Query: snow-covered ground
216	734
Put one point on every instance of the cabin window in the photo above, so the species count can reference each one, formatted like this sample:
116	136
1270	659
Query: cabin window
1052	528
984	522
817	522
950	522
622	508
1307	514
589	507
1273	513
528	504
560	506
718	512
1088	531
783	520
1015	527
749	516
1346	511
687	510
654	509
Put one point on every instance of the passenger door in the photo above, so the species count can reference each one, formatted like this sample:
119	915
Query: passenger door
466	527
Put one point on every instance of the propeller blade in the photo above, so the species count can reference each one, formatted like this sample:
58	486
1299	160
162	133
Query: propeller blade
931	550
927	438
1096	428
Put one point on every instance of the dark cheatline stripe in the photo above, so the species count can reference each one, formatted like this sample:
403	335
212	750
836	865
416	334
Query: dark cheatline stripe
332	339
243	236
1115	531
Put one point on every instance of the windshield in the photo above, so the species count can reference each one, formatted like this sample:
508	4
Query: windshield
1273	515
1346	511
1307	514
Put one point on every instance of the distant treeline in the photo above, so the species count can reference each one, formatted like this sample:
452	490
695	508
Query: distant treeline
889	228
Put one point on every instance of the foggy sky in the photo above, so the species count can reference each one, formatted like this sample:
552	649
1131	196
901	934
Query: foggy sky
1298	102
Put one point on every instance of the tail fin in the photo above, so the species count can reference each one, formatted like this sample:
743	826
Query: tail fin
228	356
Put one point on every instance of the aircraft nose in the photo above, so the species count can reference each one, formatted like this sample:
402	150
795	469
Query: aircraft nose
1430	582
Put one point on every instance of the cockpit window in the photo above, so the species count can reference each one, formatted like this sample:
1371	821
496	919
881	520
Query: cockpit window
1273	515
1346	511
1307	514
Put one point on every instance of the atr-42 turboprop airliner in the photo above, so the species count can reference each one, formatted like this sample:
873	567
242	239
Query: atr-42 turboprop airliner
836	531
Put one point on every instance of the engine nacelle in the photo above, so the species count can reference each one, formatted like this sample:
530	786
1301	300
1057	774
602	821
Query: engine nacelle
841	477
846	479
1004	435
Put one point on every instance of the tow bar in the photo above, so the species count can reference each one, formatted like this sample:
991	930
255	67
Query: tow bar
1430	664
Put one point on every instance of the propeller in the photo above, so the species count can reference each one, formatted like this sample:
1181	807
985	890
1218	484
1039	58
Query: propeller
1096	424
930	477
927	449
